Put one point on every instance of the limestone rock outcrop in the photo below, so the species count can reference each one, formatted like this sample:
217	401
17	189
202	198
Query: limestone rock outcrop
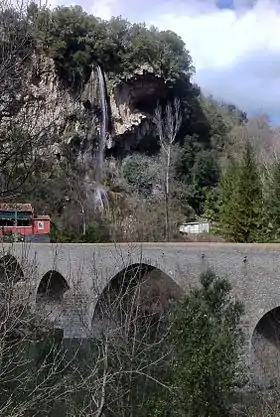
132	101
69	114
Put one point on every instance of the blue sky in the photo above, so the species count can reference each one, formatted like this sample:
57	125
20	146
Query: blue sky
225	4
235	44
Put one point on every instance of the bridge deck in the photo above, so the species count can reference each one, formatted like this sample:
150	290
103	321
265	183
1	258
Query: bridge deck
212	245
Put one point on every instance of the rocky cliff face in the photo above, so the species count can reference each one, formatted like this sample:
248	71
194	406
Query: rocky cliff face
61	111
70	115
132	102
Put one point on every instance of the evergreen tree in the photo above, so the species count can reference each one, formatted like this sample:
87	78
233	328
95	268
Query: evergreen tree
273	203
211	205
241	201
227	195
206	339
199	171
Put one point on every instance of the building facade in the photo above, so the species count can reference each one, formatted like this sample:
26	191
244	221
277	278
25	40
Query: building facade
18	222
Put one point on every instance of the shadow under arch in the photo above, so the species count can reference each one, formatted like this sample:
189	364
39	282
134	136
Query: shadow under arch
50	295
52	287
139	293
10	270
265	350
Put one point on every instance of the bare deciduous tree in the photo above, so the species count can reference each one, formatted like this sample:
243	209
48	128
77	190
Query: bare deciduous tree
32	366
111	372
77	194
263	137
23	136
168	123
128	343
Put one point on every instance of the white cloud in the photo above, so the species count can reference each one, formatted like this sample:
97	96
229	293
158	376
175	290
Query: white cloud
223	37
104	9
236	52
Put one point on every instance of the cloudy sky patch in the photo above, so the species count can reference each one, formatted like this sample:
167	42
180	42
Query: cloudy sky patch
235	44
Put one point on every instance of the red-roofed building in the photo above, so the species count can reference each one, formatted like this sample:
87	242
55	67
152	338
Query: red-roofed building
18	222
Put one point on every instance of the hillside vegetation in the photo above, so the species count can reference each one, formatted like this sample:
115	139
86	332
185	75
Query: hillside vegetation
212	149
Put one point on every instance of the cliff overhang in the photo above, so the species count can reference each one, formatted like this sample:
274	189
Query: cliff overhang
132	101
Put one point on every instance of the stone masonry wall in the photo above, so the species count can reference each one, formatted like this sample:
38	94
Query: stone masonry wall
252	269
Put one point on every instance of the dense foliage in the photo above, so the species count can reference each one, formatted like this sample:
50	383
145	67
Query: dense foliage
247	206
241	200
75	40
207	346
204	367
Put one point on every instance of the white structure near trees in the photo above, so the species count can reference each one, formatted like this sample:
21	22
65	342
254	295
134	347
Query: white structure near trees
195	228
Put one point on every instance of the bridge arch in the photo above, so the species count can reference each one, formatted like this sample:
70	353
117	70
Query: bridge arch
139	292
265	349
10	271
52	286
50	294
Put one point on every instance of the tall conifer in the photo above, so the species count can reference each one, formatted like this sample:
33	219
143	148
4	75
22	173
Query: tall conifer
273	202
241	201
226	195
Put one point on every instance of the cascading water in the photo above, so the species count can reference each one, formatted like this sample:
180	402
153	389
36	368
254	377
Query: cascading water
100	194
104	125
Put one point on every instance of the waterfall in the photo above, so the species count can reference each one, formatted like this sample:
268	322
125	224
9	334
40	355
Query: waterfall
104	125
100	194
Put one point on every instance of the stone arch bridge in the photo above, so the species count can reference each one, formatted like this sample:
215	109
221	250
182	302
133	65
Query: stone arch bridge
67	280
